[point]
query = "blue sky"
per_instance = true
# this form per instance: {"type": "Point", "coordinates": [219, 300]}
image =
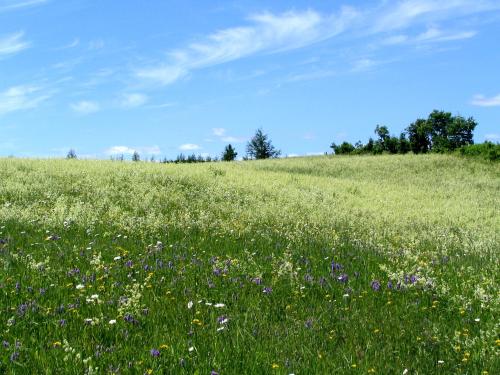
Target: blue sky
{"type": "Point", "coordinates": [164, 77]}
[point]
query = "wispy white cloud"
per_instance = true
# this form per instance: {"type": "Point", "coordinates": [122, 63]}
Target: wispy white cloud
{"type": "Point", "coordinates": [133, 100]}
{"type": "Point", "coordinates": [406, 13]}
{"type": "Point", "coordinates": [12, 43]}
{"type": "Point", "coordinates": [74, 43]}
{"type": "Point", "coordinates": [8, 5]}
{"type": "Point", "coordinates": [437, 35]}
{"type": "Point", "coordinates": [85, 107]}
{"type": "Point", "coordinates": [118, 150]}
{"type": "Point", "coordinates": [21, 98]}
{"type": "Point", "coordinates": [231, 139]}
{"type": "Point", "coordinates": [266, 33]}
{"type": "Point", "coordinates": [219, 132]}
{"type": "Point", "coordinates": [189, 147]}
{"type": "Point", "coordinates": [312, 75]}
{"type": "Point", "coordinates": [482, 101]}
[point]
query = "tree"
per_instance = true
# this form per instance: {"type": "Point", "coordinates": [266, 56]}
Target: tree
{"type": "Point", "coordinates": [404, 144]}
{"type": "Point", "coordinates": [420, 135]}
{"type": "Point", "coordinates": [229, 153]}
{"type": "Point", "coordinates": [136, 156]}
{"type": "Point", "coordinates": [71, 154]}
{"type": "Point", "coordinates": [344, 149]}
{"type": "Point", "coordinates": [260, 147]}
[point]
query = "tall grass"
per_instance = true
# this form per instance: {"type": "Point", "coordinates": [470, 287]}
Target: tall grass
{"type": "Point", "coordinates": [308, 265]}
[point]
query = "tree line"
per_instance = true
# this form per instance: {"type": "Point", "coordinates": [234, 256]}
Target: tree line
{"type": "Point", "coordinates": [439, 132]}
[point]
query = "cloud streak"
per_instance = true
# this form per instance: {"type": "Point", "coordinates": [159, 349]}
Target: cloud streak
{"type": "Point", "coordinates": [133, 100]}
{"type": "Point", "coordinates": [189, 147]}
{"type": "Point", "coordinates": [85, 107]}
{"type": "Point", "coordinates": [266, 33]}
{"type": "Point", "coordinates": [482, 101]}
{"type": "Point", "coordinates": [19, 98]}
{"type": "Point", "coordinates": [12, 43]}
{"type": "Point", "coordinates": [10, 5]}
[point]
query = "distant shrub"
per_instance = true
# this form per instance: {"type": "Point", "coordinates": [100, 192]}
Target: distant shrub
{"type": "Point", "coordinates": [486, 150]}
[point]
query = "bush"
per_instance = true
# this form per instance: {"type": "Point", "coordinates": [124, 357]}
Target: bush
{"type": "Point", "coordinates": [486, 150]}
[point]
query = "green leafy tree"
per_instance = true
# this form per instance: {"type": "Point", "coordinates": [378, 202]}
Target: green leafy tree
{"type": "Point", "coordinates": [343, 149]}
{"type": "Point", "coordinates": [229, 153]}
{"type": "Point", "coordinates": [71, 154]}
{"type": "Point", "coordinates": [420, 135]}
{"type": "Point", "coordinates": [404, 144]}
{"type": "Point", "coordinates": [260, 147]}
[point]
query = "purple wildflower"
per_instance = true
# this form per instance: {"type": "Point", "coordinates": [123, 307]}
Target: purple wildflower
{"type": "Point", "coordinates": [413, 279]}
{"type": "Point", "coordinates": [14, 356]}
{"type": "Point", "coordinates": [322, 281]}
{"type": "Point", "coordinates": [217, 271]}
{"type": "Point", "coordinates": [154, 353]}
{"type": "Point", "coordinates": [308, 278]}
{"type": "Point", "coordinates": [62, 322]}
{"type": "Point", "coordinates": [257, 280]}
{"type": "Point", "coordinates": [376, 285]}
{"type": "Point", "coordinates": [5, 344]}
{"type": "Point", "coordinates": [267, 290]}
{"type": "Point", "coordinates": [389, 285]}
{"type": "Point", "coordinates": [335, 266]}
{"type": "Point", "coordinates": [128, 264]}
{"type": "Point", "coordinates": [213, 372]}
{"type": "Point", "coordinates": [343, 278]}
{"type": "Point", "coordinates": [308, 323]}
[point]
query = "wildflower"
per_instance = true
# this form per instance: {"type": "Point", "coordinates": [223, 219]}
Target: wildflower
{"type": "Point", "coordinates": [267, 290]}
{"type": "Point", "coordinates": [257, 280]}
{"type": "Point", "coordinates": [376, 285]}
{"type": "Point", "coordinates": [275, 366]}
{"type": "Point", "coordinates": [343, 278]}
{"type": "Point", "coordinates": [222, 319]}
{"type": "Point", "coordinates": [112, 321]}
{"type": "Point", "coordinates": [117, 258]}
{"type": "Point", "coordinates": [56, 344]}
{"type": "Point", "coordinates": [335, 266]}
{"type": "Point", "coordinates": [5, 344]}
{"type": "Point", "coordinates": [440, 362]}
{"type": "Point", "coordinates": [219, 305]}
{"type": "Point", "coordinates": [405, 371]}
{"type": "Point", "coordinates": [163, 346]}
{"type": "Point", "coordinates": [213, 372]}
{"type": "Point", "coordinates": [191, 349]}
{"type": "Point", "coordinates": [477, 320]}
{"type": "Point", "coordinates": [62, 322]}
{"type": "Point", "coordinates": [154, 353]}
{"type": "Point", "coordinates": [14, 356]}
{"type": "Point", "coordinates": [190, 304]}
{"type": "Point", "coordinates": [80, 286]}
{"type": "Point", "coordinates": [308, 323]}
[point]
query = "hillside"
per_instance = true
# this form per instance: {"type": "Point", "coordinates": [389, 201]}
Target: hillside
{"type": "Point", "coordinates": [319, 265]}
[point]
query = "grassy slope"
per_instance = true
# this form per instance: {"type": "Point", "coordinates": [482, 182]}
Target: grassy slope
{"type": "Point", "coordinates": [383, 218]}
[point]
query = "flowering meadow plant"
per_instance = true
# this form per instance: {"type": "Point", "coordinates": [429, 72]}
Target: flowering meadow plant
{"type": "Point", "coordinates": [371, 264]}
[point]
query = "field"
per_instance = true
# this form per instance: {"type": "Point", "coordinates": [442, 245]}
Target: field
{"type": "Point", "coordinates": [334, 265]}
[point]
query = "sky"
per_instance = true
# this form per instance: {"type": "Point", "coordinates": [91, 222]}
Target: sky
{"type": "Point", "coordinates": [163, 77]}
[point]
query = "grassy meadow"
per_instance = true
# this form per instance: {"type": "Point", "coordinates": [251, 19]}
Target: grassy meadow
{"type": "Point", "coordinates": [333, 265]}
